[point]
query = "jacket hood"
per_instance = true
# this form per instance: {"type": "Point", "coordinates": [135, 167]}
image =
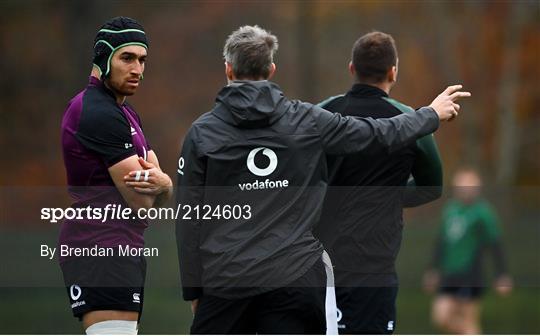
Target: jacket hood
{"type": "Point", "coordinates": [250, 104]}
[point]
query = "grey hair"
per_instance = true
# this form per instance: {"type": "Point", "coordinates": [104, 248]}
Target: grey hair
{"type": "Point", "coordinates": [250, 50]}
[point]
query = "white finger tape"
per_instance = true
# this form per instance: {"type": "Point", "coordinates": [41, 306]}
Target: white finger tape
{"type": "Point", "coordinates": [138, 175]}
{"type": "Point", "coordinates": [146, 173]}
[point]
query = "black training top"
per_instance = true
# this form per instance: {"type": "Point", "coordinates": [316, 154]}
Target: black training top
{"type": "Point", "coordinates": [361, 224]}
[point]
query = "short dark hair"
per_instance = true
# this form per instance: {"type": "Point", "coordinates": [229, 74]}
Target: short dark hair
{"type": "Point", "coordinates": [250, 50]}
{"type": "Point", "coordinates": [373, 55]}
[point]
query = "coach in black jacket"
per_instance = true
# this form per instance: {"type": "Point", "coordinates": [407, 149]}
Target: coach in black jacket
{"type": "Point", "coordinates": [260, 270]}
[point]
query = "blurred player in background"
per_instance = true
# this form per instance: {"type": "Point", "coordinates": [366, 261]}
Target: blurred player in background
{"type": "Point", "coordinates": [361, 225]}
{"type": "Point", "coordinates": [109, 161]}
{"type": "Point", "coordinates": [469, 228]}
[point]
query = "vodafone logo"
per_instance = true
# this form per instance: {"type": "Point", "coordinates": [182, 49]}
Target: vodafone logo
{"type": "Point", "coordinates": [270, 154]}
{"type": "Point", "coordinates": [181, 164]}
{"type": "Point", "coordinates": [75, 292]}
{"type": "Point", "coordinates": [262, 171]}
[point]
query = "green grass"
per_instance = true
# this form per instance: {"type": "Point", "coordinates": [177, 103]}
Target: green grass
{"type": "Point", "coordinates": [45, 310]}
{"type": "Point", "coordinates": [515, 314]}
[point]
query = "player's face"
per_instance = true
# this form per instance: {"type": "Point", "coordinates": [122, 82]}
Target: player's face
{"type": "Point", "coordinates": [127, 67]}
{"type": "Point", "coordinates": [467, 186]}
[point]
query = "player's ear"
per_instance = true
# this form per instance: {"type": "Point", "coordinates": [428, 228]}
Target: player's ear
{"type": "Point", "coordinates": [392, 74]}
{"type": "Point", "coordinates": [229, 71]}
{"type": "Point", "coordinates": [351, 68]}
{"type": "Point", "coordinates": [272, 70]}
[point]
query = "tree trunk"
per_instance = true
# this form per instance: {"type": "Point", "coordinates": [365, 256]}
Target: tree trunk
{"type": "Point", "coordinates": [508, 150]}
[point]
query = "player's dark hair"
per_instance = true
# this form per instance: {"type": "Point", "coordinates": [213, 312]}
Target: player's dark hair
{"type": "Point", "coordinates": [373, 55]}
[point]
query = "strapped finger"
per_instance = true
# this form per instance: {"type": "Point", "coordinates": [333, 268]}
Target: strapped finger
{"type": "Point", "coordinates": [146, 174]}
{"type": "Point", "coordinates": [137, 175]}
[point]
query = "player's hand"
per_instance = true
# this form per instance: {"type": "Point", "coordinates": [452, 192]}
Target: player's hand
{"type": "Point", "coordinates": [504, 285]}
{"type": "Point", "coordinates": [445, 104]}
{"type": "Point", "coordinates": [431, 281]}
{"type": "Point", "coordinates": [194, 305]}
{"type": "Point", "coordinates": [151, 180]}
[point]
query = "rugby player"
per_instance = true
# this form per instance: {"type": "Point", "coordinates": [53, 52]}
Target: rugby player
{"type": "Point", "coordinates": [108, 160]}
{"type": "Point", "coordinates": [361, 224]}
{"type": "Point", "coordinates": [265, 272]}
{"type": "Point", "coordinates": [469, 228]}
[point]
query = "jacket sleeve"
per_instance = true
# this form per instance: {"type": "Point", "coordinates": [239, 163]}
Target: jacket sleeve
{"type": "Point", "coordinates": [191, 174]}
{"type": "Point", "coordinates": [347, 135]}
{"type": "Point", "coordinates": [427, 173]}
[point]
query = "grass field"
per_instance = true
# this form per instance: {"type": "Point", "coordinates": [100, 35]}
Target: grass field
{"type": "Point", "coordinates": [45, 310]}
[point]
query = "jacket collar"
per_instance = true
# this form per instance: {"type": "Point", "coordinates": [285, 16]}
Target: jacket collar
{"type": "Point", "coordinates": [366, 90]}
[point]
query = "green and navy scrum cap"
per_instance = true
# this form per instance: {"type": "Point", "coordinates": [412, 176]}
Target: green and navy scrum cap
{"type": "Point", "coordinates": [116, 33]}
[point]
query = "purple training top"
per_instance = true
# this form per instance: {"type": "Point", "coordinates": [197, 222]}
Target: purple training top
{"type": "Point", "coordinates": [96, 134]}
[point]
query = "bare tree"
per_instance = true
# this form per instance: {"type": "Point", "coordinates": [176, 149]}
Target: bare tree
{"type": "Point", "coordinates": [450, 71]}
{"type": "Point", "coordinates": [509, 137]}
{"type": "Point", "coordinates": [307, 50]}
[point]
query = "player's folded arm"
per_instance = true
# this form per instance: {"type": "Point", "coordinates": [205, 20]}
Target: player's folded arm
{"type": "Point", "coordinates": [108, 134]}
{"type": "Point", "coordinates": [163, 197]}
{"type": "Point", "coordinates": [134, 199]}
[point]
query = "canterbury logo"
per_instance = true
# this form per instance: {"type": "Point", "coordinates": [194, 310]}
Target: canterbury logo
{"type": "Point", "coordinates": [136, 298]}
{"type": "Point", "coordinates": [270, 154]}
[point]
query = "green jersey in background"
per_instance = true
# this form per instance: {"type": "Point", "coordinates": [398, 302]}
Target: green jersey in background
{"type": "Point", "coordinates": [467, 231]}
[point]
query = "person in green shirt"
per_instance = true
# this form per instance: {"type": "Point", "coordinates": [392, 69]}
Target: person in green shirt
{"type": "Point", "coordinates": [469, 228]}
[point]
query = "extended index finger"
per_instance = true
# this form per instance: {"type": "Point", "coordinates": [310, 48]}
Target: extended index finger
{"type": "Point", "coordinates": [453, 88]}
